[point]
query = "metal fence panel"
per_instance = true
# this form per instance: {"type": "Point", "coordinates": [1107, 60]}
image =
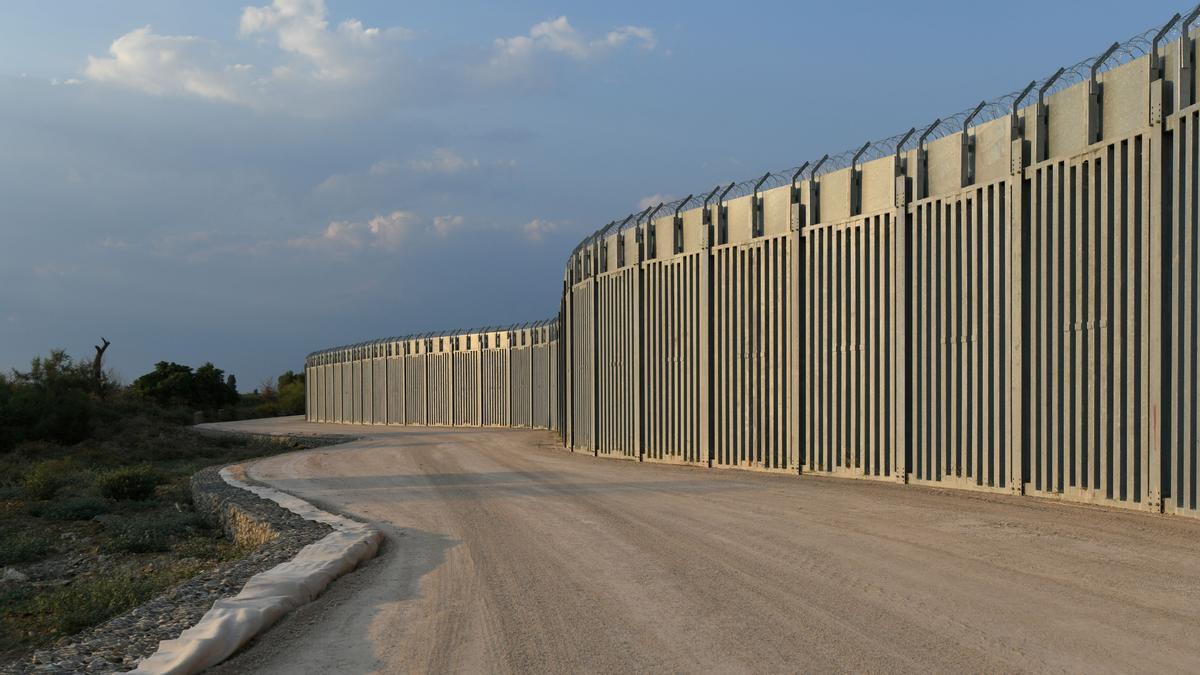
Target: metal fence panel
{"type": "Point", "coordinates": [440, 385]}
{"type": "Point", "coordinates": [414, 393]}
{"type": "Point", "coordinates": [615, 362]}
{"type": "Point", "coordinates": [850, 359]}
{"type": "Point", "coordinates": [378, 403]}
{"type": "Point", "coordinates": [583, 383]}
{"type": "Point", "coordinates": [466, 396]}
{"type": "Point", "coordinates": [751, 341]}
{"type": "Point", "coordinates": [1085, 260]}
{"type": "Point", "coordinates": [959, 371]}
{"type": "Point", "coordinates": [541, 395]}
{"type": "Point", "coordinates": [1181, 269]}
{"type": "Point", "coordinates": [331, 396]}
{"type": "Point", "coordinates": [520, 397]}
{"type": "Point", "coordinates": [672, 359]}
{"type": "Point", "coordinates": [395, 390]}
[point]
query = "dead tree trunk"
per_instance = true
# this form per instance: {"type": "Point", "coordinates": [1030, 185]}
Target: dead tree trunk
{"type": "Point", "coordinates": [98, 365]}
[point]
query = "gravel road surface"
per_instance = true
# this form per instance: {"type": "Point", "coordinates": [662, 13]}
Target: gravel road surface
{"type": "Point", "coordinates": [506, 553]}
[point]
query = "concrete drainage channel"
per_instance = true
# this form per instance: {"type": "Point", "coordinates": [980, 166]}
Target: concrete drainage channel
{"type": "Point", "coordinates": [299, 551]}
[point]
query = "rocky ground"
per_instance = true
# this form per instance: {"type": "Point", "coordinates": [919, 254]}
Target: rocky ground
{"type": "Point", "coordinates": [119, 643]}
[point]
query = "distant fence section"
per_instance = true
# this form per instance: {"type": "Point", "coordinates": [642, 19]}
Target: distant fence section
{"type": "Point", "coordinates": [1004, 300]}
{"type": "Point", "coordinates": [498, 377]}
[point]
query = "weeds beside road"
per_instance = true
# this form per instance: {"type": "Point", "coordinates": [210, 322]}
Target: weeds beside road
{"type": "Point", "coordinates": [91, 530]}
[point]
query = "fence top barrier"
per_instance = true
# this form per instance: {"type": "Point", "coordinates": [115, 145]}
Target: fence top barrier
{"type": "Point", "coordinates": [977, 114]}
{"type": "Point", "coordinates": [435, 335]}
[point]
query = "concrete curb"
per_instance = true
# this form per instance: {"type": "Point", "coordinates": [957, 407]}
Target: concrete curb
{"type": "Point", "coordinates": [267, 596]}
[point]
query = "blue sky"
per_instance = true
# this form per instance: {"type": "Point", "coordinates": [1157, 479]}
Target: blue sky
{"type": "Point", "coordinates": [245, 182]}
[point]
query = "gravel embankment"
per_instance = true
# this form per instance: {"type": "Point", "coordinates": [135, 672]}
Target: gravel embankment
{"type": "Point", "coordinates": [119, 643]}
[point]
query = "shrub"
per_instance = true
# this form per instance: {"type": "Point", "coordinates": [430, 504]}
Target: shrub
{"type": "Point", "coordinates": [150, 532]}
{"type": "Point", "coordinates": [44, 479]}
{"type": "Point", "coordinates": [22, 547]}
{"type": "Point", "coordinates": [129, 483]}
{"type": "Point", "coordinates": [207, 547]}
{"type": "Point", "coordinates": [78, 508]}
{"type": "Point", "coordinates": [89, 600]}
{"type": "Point", "coordinates": [291, 393]}
{"type": "Point", "coordinates": [50, 402]}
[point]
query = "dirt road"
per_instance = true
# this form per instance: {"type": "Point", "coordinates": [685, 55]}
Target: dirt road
{"type": "Point", "coordinates": [507, 554]}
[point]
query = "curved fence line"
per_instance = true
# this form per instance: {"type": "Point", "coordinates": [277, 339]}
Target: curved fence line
{"type": "Point", "coordinates": [499, 376]}
{"type": "Point", "coordinates": [1007, 301]}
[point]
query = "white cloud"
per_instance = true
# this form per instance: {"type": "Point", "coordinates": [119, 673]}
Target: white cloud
{"type": "Point", "coordinates": [559, 36]}
{"type": "Point", "coordinates": [625, 34]}
{"type": "Point", "coordinates": [386, 232]}
{"type": "Point", "coordinates": [162, 64]}
{"type": "Point", "coordinates": [653, 200]}
{"type": "Point", "coordinates": [537, 228]}
{"type": "Point", "coordinates": [390, 230]}
{"type": "Point", "coordinates": [443, 160]}
{"type": "Point", "coordinates": [514, 57]}
{"type": "Point", "coordinates": [444, 226]}
{"type": "Point", "coordinates": [306, 56]}
{"type": "Point", "coordinates": [303, 63]}
{"type": "Point", "coordinates": [301, 28]}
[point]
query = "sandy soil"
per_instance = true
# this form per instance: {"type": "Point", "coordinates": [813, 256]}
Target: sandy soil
{"type": "Point", "coordinates": [507, 554]}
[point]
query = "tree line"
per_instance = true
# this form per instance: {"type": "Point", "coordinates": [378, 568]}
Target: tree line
{"type": "Point", "coordinates": [63, 400]}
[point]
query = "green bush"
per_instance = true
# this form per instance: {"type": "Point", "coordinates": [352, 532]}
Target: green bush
{"type": "Point", "coordinates": [150, 532]}
{"type": "Point", "coordinates": [291, 393]}
{"type": "Point", "coordinates": [22, 547]}
{"type": "Point", "coordinates": [53, 401]}
{"type": "Point", "coordinates": [44, 479]}
{"type": "Point", "coordinates": [89, 600]}
{"type": "Point", "coordinates": [171, 383]}
{"type": "Point", "coordinates": [129, 483]}
{"type": "Point", "coordinates": [78, 508]}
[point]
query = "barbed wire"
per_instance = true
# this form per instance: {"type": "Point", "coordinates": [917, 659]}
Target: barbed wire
{"type": "Point", "coordinates": [541, 323]}
{"type": "Point", "coordinates": [1118, 53]}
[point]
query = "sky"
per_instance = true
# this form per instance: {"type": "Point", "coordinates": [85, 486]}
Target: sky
{"type": "Point", "coordinates": [247, 182]}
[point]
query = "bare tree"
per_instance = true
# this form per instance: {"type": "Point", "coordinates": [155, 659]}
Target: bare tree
{"type": "Point", "coordinates": [98, 364]}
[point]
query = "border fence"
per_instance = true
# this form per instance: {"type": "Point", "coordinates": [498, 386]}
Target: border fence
{"type": "Point", "coordinates": [1004, 300]}
{"type": "Point", "coordinates": [497, 377]}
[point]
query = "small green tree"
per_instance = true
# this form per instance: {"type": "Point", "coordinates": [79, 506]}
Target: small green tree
{"type": "Point", "coordinates": [51, 401]}
{"type": "Point", "coordinates": [291, 393]}
{"type": "Point", "coordinates": [172, 383]}
{"type": "Point", "coordinates": [169, 382]}
{"type": "Point", "coordinates": [212, 391]}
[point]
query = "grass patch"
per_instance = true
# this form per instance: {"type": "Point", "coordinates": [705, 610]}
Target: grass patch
{"type": "Point", "coordinates": [75, 508]}
{"type": "Point", "coordinates": [86, 602]}
{"type": "Point", "coordinates": [151, 532]}
{"type": "Point", "coordinates": [44, 479]}
{"type": "Point", "coordinates": [19, 547]}
{"type": "Point", "coordinates": [133, 477]}
{"type": "Point", "coordinates": [83, 603]}
{"type": "Point", "coordinates": [128, 483]}
{"type": "Point", "coordinates": [201, 547]}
